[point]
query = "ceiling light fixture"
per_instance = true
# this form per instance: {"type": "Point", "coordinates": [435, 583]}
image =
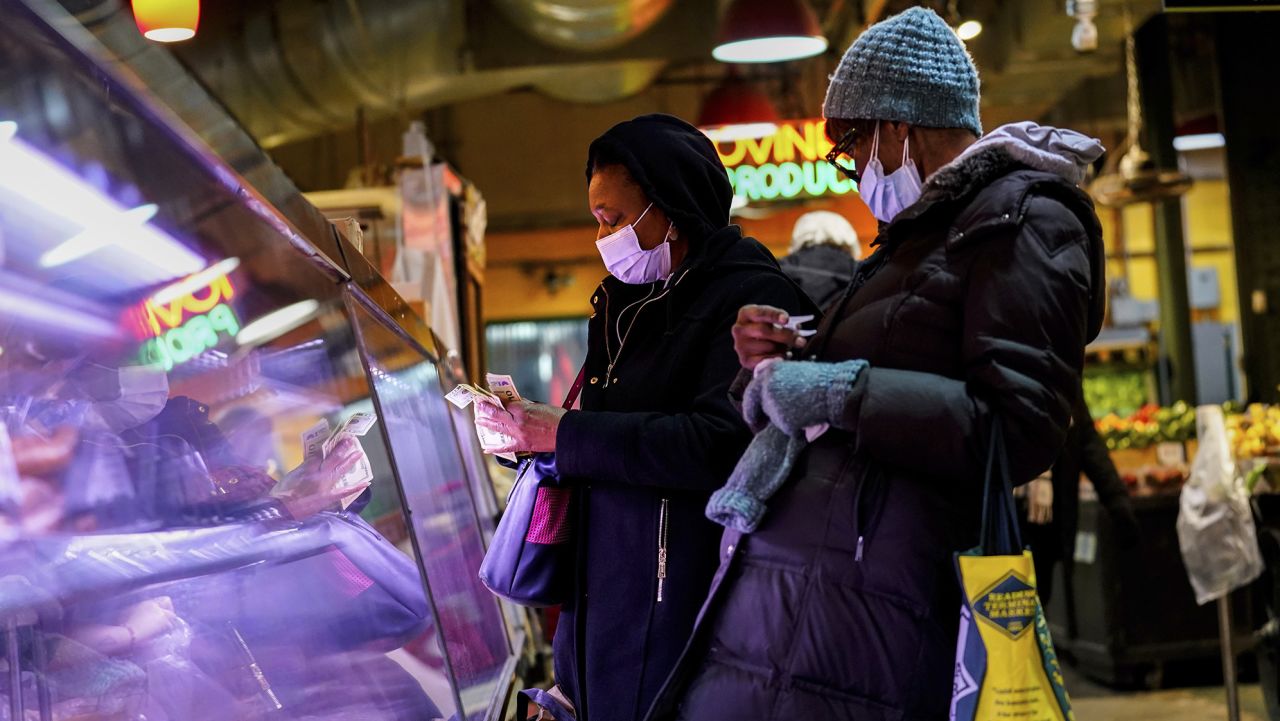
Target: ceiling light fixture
{"type": "Point", "coordinates": [1199, 141]}
{"type": "Point", "coordinates": [277, 323]}
{"type": "Point", "coordinates": [737, 110]}
{"type": "Point", "coordinates": [969, 29]}
{"type": "Point", "coordinates": [167, 21]}
{"type": "Point", "coordinates": [768, 31]}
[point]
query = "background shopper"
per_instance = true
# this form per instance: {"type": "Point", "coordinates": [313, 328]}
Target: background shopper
{"type": "Point", "coordinates": [1051, 533]}
{"type": "Point", "coordinates": [824, 253]}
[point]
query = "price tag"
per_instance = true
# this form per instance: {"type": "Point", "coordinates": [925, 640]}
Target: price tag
{"type": "Point", "coordinates": [1086, 547]}
{"type": "Point", "coordinates": [1171, 454]}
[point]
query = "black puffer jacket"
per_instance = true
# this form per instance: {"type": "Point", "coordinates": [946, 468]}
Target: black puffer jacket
{"type": "Point", "coordinates": [844, 604]}
{"type": "Point", "coordinates": [657, 433]}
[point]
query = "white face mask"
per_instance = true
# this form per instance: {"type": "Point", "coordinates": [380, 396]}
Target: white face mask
{"type": "Point", "coordinates": [630, 263]}
{"type": "Point", "coordinates": [127, 397]}
{"type": "Point", "coordinates": [889, 195]}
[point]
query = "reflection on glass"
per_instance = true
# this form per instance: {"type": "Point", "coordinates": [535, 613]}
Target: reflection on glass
{"type": "Point", "coordinates": [428, 462]}
{"type": "Point", "coordinates": [183, 537]}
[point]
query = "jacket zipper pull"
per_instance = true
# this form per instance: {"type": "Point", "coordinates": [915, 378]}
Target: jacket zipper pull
{"type": "Point", "coordinates": [857, 556]}
{"type": "Point", "coordinates": [662, 549]}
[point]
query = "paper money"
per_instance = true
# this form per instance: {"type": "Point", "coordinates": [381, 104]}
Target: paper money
{"type": "Point", "coordinates": [794, 323]}
{"type": "Point", "coordinates": [357, 424]}
{"type": "Point", "coordinates": [460, 396]}
{"type": "Point", "coordinates": [360, 473]}
{"type": "Point", "coordinates": [313, 440]}
{"type": "Point", "coordinates": [465, 395]}
{"type": "Point", "coordinates": [503, 387]}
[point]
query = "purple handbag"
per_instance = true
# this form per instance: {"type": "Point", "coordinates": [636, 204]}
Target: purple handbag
{"type": "Point", "coordinates": [530, 559]}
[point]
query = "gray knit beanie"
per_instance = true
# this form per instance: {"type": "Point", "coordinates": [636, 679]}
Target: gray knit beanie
{"type": "Point", "coordinates": [909, 68]}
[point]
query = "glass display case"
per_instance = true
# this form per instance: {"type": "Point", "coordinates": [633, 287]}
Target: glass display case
{"type": "Point", "coordinates": [230, 487]}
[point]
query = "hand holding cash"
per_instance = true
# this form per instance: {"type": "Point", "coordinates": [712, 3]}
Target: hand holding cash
{"type": "Point", "coordinates": [506, 423]}
{"type": "Point", "coordinates": [335, 468]}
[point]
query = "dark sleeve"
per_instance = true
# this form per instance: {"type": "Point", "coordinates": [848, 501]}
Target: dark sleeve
{"type": "Point", "coordinates": [1095, 460]}
{"type": "Point", "coordinates": [1024, 326]}
{"type": "Point", "coordinates": [695, 449]}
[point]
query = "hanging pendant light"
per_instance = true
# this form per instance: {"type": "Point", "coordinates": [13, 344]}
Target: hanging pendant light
{"type": "Point", "coordinates": [768, 31]}
{"type": "Point", "coordinates": [1136, 178]}
{"type": "Point", "coordinates": [737, 110]}
{"type": "Point", "coordinates": [167, 21]}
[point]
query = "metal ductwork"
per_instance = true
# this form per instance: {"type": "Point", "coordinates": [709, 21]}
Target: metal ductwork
{"type": "Point", "coordinates": [585, 25]}
{"type": "Point", "coordinates": [294, 69]}
{"type": "Point", "coordinates": [299, 68]}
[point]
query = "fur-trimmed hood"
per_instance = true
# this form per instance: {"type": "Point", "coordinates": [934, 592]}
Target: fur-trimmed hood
{"type": "Point", "coordinates": [998, 182]}
{"type": "Point", "coordinates": [1062, 152]}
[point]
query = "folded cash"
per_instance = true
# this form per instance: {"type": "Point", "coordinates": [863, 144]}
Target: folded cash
{"type": "Point", "coordinates": [503, 387]}
{"type": "Point", "coordinates": [358, 424]}
{"type": "Point", "coordinates": [794, 322]}
{"type": "Point", "coordinates": [465, 395]}
{"type": "Point", "coordinates": [314, 440]}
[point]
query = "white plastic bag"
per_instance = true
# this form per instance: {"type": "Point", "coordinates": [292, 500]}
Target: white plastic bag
{"type": "Point", "coordinates": [1215, 523]}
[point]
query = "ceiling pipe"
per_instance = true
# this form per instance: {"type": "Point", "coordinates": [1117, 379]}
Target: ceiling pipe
{"type": "Point", "coordinates": [584, 25]}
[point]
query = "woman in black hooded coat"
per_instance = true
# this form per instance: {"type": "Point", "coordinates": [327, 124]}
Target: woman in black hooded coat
{"type": "Point", "coordinates": [657, 433]}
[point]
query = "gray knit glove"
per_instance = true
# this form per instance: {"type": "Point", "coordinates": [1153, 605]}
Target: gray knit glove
{"type": "Point", "coordinates": [794, 395]}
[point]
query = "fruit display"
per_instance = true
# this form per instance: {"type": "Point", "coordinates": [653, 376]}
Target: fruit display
{"type": "Point", "coordinates": [1118, 391]}
{"type": "Point", "coordinates": [1255, 432]}
{"type": "Point", "coordinates": [1147, 426]}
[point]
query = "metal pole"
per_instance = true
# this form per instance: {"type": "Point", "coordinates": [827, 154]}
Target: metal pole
{"type": "Point", "coordinates": [1228, 658]}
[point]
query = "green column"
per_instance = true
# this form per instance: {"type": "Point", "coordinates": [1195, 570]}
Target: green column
{"type": "Point", "coordinates": [1156, 84]}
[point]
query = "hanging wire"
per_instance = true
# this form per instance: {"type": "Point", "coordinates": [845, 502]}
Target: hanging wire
{"type": "Point", "coordinates": [1134, 99]}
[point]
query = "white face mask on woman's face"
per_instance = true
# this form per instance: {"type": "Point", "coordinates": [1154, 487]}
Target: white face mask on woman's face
{"type": "Point", "coordinates": [630, 263]}
{"type": "Point", "coordinates": [889, 195]}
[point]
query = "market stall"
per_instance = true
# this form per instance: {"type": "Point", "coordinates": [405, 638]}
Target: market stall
{"type": "Point", "coordinates": [1127, 613]}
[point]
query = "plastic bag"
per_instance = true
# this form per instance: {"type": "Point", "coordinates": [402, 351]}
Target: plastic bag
{"type": "Point", "coordinates": [1215, 522]}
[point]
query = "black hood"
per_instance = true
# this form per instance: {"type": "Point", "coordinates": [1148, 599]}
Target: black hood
{"type": "Point", "coordinates": [676, 166]}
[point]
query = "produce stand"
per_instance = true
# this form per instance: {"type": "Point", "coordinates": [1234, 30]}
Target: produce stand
{"type": "Point", "coordinates": [1127, 613]}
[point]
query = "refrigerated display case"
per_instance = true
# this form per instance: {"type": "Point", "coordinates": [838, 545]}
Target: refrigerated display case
{"type": "Point", "coordinates": [181, 535]}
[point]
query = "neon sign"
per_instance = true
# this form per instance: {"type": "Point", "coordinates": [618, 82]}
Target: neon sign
{"type": "Point", "coordinates": [787, 165]}
{"type": "Point", "coordinates": [177, 327]}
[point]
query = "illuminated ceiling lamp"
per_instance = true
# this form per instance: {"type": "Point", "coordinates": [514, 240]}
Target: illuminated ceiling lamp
{"type": "Point", "coordinates": [737, 110]}
{"type": "Point", "coordinates": [768, 31]}
{"type": "Point", "coordinates": [167, 21]}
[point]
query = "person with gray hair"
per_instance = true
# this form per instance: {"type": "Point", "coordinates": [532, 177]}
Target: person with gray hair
{"type": "Point", "coordinates": [824, 253]}
{"type": "Point", "coordinates": [836, 596]}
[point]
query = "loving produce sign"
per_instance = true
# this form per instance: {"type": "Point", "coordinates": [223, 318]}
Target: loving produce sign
{"type": "Point", "coordinates": [788, 165]}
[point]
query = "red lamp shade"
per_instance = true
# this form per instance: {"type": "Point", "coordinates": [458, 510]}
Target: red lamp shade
{"type": "Point", "coordinates": [768, 31]}
{"type": "Point", "coordinates": [737, 110]}
{"type": "Point", "coordinates": [167, 21]}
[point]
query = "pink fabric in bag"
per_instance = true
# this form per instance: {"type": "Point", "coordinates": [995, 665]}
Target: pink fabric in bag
{"type": "Point", "coordinates": [550, 522]}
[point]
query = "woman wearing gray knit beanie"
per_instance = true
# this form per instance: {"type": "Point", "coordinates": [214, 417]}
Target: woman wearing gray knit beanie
{"type": "Point", "coordinates": [836, 597]}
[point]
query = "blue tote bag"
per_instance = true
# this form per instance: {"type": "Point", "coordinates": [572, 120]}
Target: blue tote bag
{"type": "Point", "coordinates": [530, 560]}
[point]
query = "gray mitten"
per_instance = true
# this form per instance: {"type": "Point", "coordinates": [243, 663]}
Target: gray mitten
{"type": "Point", "coordinates": [795, 395]}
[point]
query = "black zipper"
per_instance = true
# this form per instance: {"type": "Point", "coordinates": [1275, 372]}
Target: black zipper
{"type": "Point", "coordinates": [868, 505]}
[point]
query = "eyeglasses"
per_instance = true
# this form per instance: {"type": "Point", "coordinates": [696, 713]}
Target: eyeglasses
{"type": "Point", "coordinates": [844, 148]}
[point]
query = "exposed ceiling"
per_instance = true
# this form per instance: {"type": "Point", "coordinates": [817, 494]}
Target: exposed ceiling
{"type": "Point", "coordinates": [297, 73]}
{"type": "Point", "coordinates": [293, 69]}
